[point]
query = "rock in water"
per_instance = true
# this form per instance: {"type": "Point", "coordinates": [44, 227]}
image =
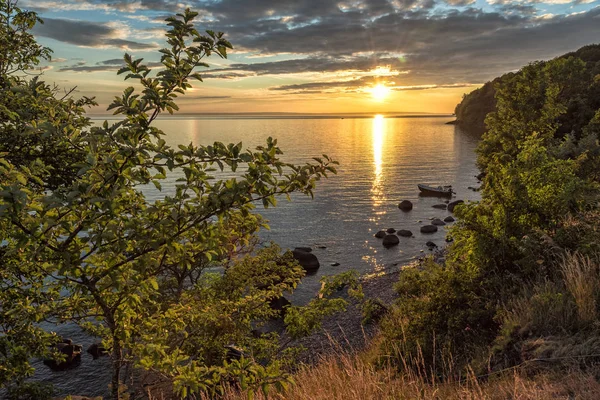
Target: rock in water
{"type": "Point", "coordinates": [404, 233]}
{"type": "Point", "coordinates": [454, 204]}
{"type": "Point", "coordinates": [390, 240]}
{"type": "Point", "coordinates": [305, 249]}
{"type": "Point", "coordinates": [308, 261]}
{"type": "Point", "coordinates": [280, 304]}
{"type": "Point", "coordinates": [438, 222]}
{"type": "Point", "coordinates": [449, 219]}
{"type": "Point", "coordinates": [430, 244]}
{"type": "Point", "coordinates": [97, 350]}
{"type": "Point", "coordinates": [72, 354]}
{"type": "Point", "coordinates": [429, 229]}
{"type": "Point", "coordinates": [440, 206]}
{"type": "Point", "coordinates": [405, 205]}
{"type": "Point", "coordinates": [391, 230]}
{"type": "Point", "coordinates": [380, 234]}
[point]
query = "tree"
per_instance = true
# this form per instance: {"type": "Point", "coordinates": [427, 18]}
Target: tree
{"type": "Point", "coordinates": [96, 252]}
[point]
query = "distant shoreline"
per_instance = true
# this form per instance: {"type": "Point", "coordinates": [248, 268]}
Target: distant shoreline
{"type": "Point", "coordinates": [286, 116]}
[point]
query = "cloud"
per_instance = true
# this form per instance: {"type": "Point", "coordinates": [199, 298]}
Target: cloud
{"type": "Point", "coordinates": [421, 42]}
{"type": "Point", "coordinates": [112, 65]}
{"type": "Point", "coordinates": [88, 34]}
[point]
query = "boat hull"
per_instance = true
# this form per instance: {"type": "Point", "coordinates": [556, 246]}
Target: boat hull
{"type": "Point", "coordinates": [432, 191]}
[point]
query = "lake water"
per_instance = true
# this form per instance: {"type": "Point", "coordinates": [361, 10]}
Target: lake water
{"type": "Point", "coordinates": [381, 162]}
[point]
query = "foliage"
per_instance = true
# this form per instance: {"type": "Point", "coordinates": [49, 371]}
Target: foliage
{"type": "Point", "coordinates": [581, 99]}
{"type": "Point", "coordinates": [501, 283]}
{"type": "Point", "coordinates": [140, 274]}
{"type": "Point", "coordinates": [36, 122]}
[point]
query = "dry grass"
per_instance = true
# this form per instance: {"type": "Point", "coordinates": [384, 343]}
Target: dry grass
{"type": "Point", "coordinates": [348, 378]}
{"type": "Point", "coordinates": [582, 279]}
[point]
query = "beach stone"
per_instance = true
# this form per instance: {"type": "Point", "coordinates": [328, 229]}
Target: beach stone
{"type": "Point", "coordinates": [305, 249]}
{"type": "Point", "coordinates": [453, 204]}
{"type": "Point", "coordinates": [449, 219]}
{"type": "Point", "coordinates": [390, 240]}
{"type": "Point", "coordinates": [438, 222]}
{"type": "Point", "coordinates": [307, 260]}
{"type": "Point", "coordinates": [380, 234]}
{"type": "Point", "coordinates": [405, 205]}
{"type": "Point", "coordinates": [429, 229]}
{"type": "Point", "coordinates": [440, 206]}
{"type": "Point", "coordinates": [404, 233]}
{"type": "Point", "coordinates": [391, 230]}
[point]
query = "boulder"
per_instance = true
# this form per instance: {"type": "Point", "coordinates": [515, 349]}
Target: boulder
{"type": "Point", "coordinates": [405, 205]}
{"type": "Point", "coordinates": [438, 222]}
{"type": "Point", "coordinates": [305, 249]}
{"type": "Point", "coordinates": [72, 354]}
{"type": "Point", "coordinates": [404, 233]}
{"type": "Point", "coordinates": [97, 350]}
{"type": "Point", "coordinates": [391, 230]}
{"type": "Point", "coordinates": [307, 260]}
{"type": "Point", "coordinates": [449, 219]}
{"type": "Point", "coordinates": [380, 234]}
{"type": "Point", "coordinates": [279, 304]}
{"type": "Point", "coordinates": [453, 204]}
{"type": "Point", "coordinates": [440, 206]}
{"type": "Point", "coordinates": [429, 229]}
{"type": "Point", "coordinates": [390, 240]}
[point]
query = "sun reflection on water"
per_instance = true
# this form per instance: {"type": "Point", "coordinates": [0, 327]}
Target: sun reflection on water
{"type": "Point", "coordinates": [378, 132]}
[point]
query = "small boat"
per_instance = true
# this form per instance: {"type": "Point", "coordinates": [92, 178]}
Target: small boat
{"type": "Point", "coordinates": [436, 190]}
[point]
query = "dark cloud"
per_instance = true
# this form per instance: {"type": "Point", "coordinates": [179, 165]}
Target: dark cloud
{"type": "Point", "coordinates": [85, 33]}
{"type": "Point", "coordinates": [443, 42]}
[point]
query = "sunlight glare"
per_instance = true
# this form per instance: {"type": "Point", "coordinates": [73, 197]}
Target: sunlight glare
{"type": "Point", "coordinates": [380, 92]}
{"type": "Point", "coordinates": [378, 132]}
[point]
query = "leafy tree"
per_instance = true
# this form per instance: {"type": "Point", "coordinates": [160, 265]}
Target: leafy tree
{"type": "Point", "coordinates": [96, 252]}
{"type": "Point", "coordinates": [36, 121]}
{"type": "Point", "coordinates": [535, 177]}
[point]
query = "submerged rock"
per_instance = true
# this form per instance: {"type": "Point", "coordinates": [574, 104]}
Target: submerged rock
{"type": "Point", "coordinates": [404, 233]}
{"type": "Point", "coordinates": [440, 206]}
{"type": "Point", "coordinates": [453, 204]}
{"type": "Point", "coordinates": [405, 205]}
{"type": "Point", "coordinates": [390, 240]}
{"type": "Point", "coordinates": [430, 244]}
{"type": "Point", "coordinates": [305, 249]}
{"type": "Point", "coordinates": [308, 261]}
{"type": "Point", "coordinates": [429, 229]}
{"type": "Point", "coordinates": [97, 350]}
{"type": "Point", "coordinates": [279, 304]}
{"type": "Point", "coordinates": [72, 354]}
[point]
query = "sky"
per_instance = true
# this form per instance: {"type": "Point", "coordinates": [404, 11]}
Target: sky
{"type": "Point", "coordinates": [316, 56]}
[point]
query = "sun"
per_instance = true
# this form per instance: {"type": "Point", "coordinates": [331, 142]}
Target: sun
{"type": "Point", "coordinates": [380, 92]}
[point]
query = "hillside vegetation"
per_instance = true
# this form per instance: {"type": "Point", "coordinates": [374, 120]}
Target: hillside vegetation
{"type": "Point", "coordinates": [475, 106]}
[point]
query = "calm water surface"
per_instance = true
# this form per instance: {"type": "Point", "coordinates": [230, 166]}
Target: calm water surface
{"type": "Point", "coordinates": [381, 162]}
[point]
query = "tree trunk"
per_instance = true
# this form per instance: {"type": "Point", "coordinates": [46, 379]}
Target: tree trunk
{"type": "Point", "coordinates": [117, 354]}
